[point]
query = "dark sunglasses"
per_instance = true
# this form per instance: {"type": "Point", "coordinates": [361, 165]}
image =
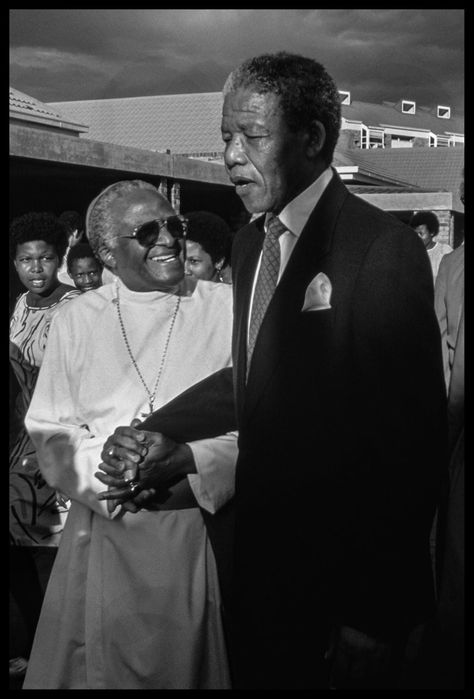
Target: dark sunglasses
{"type": "Point", "coordinates": [147, 233]}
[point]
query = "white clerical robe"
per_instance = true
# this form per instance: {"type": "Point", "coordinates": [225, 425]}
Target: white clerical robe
{"type": "Point", "coordinates": [133, 600]}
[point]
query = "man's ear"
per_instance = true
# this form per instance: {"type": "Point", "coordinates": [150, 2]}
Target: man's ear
{"type": "Point", "coordinates": [316, 138]}
{"type": "Point", "coordinates": [108, 258]}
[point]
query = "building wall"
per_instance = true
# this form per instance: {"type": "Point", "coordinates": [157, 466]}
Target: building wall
{"type": "Point", "coordinates": [446, 227]}
{"type": "Point", "coordinates": [421, 143]}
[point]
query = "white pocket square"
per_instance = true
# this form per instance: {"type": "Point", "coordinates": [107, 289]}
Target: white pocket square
{"type": "Point", "coordinates": [318, 294]}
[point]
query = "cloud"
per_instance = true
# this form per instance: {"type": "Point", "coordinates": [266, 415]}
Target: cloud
{"type": "Point", "coordinates": [54, 60]}
{"type": "Point", "coordinates": [80, 75]}
{"type": "Point", "coordinates": [377, 54]}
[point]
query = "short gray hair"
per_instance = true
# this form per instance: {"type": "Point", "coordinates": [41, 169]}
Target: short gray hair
{"type": "Point", "coordinates": [100, 222]}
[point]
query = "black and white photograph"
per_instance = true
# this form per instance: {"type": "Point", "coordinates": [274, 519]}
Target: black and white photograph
{"type": "Point", "coordinates": [236, 377]}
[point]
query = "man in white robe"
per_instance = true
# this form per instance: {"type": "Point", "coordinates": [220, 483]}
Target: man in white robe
{"type": "Point", "coordinates": [134, 600]}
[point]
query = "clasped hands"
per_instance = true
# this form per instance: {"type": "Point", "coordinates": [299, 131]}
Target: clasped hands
{"type": "Point", "coordinates": [137, 464]}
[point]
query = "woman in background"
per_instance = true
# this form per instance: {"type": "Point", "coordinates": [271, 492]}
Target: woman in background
{"type": "Point", "coordinates": [38, 244]}
{"type": "Point", "coordinates": [208, 247]}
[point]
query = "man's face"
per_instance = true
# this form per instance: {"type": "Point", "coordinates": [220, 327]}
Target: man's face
{"type": "Point", "coordinates": [86, 273]}
{"type": "Point", "coordinates": [424, 234]}
{"type": "Point", "coordinates": [266, 162]}
{"type": "Point", "coordinates": [158, 268]}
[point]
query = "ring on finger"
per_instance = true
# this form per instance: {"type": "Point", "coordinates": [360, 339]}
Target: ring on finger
{"type": "Point", "coordinates": [133, 486]}
{"type": "Point", "coordinates": [111, 451]}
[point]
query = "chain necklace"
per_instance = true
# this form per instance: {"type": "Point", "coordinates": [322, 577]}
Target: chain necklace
{"type": "Point", "coordinates": [151, 395]}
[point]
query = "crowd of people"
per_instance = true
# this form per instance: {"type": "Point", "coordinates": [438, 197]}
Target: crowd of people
{"type": "Point", "coordinates": [231, 451]}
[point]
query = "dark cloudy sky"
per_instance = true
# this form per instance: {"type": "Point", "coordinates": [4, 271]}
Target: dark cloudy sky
{"type": "Point", "coordinates": [58, 55]}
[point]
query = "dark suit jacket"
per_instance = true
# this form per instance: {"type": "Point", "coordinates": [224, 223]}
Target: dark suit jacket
{"type": "Point", "coordinates": [342, 436]}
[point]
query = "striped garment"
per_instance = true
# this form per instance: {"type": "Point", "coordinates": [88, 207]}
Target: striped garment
{"type": "Point", "coordinates": [36, 516]}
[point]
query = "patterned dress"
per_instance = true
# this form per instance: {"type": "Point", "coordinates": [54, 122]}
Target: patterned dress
{"type": "Point", "coordinates": [36, 516]}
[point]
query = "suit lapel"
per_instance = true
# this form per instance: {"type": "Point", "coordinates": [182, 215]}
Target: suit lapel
{"type": "Point", "coordinates": [277, 330]}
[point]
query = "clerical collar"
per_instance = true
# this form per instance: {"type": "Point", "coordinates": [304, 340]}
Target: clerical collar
{"type": "Point", "coordinates": [186, 289]}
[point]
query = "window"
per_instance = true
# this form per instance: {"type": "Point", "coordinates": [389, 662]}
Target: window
{"type": "Point", "coordinates": [345, 97]}
{"type": "Point", "coordinates": [402, 141]}
{"type": "Point", "coordinates": [444, 112]}
{"type": "Point", "coordinates": [376, 138]}
{"type": "Point", "coordinates": [364, 136]}
{"type": "Point", "coordinates": [443, 141]}
{"type": "Point", "coordinates": [408, 107]}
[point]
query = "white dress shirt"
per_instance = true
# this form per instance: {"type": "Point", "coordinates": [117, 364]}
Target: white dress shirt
{"type": "Point", "coordinates": [294, 217]}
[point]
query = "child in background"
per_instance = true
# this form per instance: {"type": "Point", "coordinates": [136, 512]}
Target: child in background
{"type": "Point", "coordinates": [84, 268]}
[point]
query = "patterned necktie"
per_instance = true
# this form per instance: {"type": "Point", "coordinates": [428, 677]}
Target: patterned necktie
{"type": "Point", "coordinates": [266, 281]}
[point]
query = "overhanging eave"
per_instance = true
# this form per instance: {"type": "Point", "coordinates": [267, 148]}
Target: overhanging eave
{"type": "Point", "coordinates": [60, 148]}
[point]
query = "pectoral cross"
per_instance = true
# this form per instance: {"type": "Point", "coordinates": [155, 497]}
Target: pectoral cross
{"type": "Point", "coordinates": [150, 405]}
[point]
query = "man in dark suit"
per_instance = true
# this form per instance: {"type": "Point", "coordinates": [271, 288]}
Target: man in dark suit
{"type": "Point", "coordinates": [340, 399]}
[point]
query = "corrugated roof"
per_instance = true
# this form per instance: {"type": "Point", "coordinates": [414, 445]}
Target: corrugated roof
{"type": "Point", "coordinates": [433, 169]}
{"type": "Point", "coordinates": [183, 124]}
{"type": "Point", "coordinates": [27, 108]}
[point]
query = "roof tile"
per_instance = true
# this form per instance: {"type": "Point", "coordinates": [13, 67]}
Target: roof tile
{"type": "Point", "coordinates": [25, 107]}
{"type": "Point", "coordinates": [20, 102]}
{"type": "Point", "coordinates": [435, 169]}
{"type": "Point", "coordinates": [183, 124]}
